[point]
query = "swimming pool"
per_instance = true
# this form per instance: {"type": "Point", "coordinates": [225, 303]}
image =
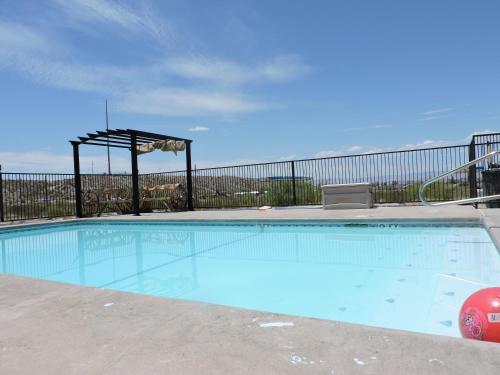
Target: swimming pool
{"type": "Point", "coordinates": [411, 276]}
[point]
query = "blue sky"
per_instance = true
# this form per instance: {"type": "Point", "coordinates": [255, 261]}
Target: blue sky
{"type": "Point", "coordinates": [248, 81]}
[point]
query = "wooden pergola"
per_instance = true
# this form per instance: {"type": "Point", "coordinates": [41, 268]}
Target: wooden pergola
{"type": "Point", "coordinates": [128, 139]}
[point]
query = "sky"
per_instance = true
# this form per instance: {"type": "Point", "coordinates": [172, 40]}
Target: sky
{"type": "Point", "coordinates": [248, 81]}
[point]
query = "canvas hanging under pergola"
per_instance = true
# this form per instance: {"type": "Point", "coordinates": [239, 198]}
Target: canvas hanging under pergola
{"type": "Point", "coordinates": [138, 142]}
{"type": "Point", "coordinates": [166, 146]}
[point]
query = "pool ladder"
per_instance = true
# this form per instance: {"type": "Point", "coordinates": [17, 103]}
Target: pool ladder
{"type": "Point", "coordinates": [460, 201]}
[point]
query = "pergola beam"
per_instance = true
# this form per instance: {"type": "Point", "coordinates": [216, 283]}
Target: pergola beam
{"type": "Point", "coordinates": [105, 145]}
{"type": "Point", "coordinates": [104, 141]}
{"type": "Point", "coordinates": [155, 136]}
{"type": "Point", "coordinates": [135, 175]}
{"type": "Point", "coordinates": [116, 137]}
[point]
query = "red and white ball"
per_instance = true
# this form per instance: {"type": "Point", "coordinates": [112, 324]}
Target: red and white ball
{"type": "Point", "coordinates": [480, 316]}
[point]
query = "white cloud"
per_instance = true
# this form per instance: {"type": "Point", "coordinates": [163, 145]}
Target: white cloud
{"type": "Point", "coordinates": [374, 150]}
{"type": "Point", "coordinates": [16, 39]}
{"type": "Point", "coordinates": [354, 148]}
{"type": "Point", "coordinates": [138, 89]}
{"type": "Point", "coordinates": [207, 69]}
{"type": "Point", "coordinates": [361, 128]}
{"type": "Point", "coordinates": [435, 114]}
{"type": "Point", "coordinates": [436, 111]}
{"type": "Point", "coordinates": [328, 154]}
{"type": "Point", "coordinates": [287, 157]}
{"type": "Point", "coordinates": [479, 132]}
{"type": "Point", "coordinates": [430, 118]}
{"type": "Point", "coordinates": [34, 160]}
{"type": "Point", "coordinates": [186, 102]}
{"type": "Point", "coordinates": [129, 85]}
{"type": "Point", "coordinates": [115, 13]}
{"type": "Point", "coordinates": [357, 149]}
{"type": "Point", "coordinates": [34, 55]}
{"type": "Point", "coordinates": [199, 129]}
{"type": "Point", "coordinates": [280, 69]}
{"type": "Point", "coordinates": [427, 144]}
{"type": "Point", "coordinates": [73, 76]}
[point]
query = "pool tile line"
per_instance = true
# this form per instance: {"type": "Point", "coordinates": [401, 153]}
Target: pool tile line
{"type": "Point", "coordinates": [263, 223]}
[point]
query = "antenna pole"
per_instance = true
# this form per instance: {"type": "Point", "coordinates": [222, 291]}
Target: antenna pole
{"type": "Point", "coordinates": [107, 128]}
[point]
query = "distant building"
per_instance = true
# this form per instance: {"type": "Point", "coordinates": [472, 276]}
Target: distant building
{"type": "Point", "coordinates": [287, 178]}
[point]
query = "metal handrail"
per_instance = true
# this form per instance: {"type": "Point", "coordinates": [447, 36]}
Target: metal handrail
{"type": "Point", "coordinates": [460, 201]}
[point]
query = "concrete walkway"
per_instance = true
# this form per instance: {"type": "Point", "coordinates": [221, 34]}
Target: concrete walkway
{"type": "Point", "coordinates": [317, 213]}
{"type": "Point", "coordinates": [50, 328]}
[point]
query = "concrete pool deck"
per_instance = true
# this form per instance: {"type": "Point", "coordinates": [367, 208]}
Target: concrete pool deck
{"type": "Point", "coordinates": [53, 328]}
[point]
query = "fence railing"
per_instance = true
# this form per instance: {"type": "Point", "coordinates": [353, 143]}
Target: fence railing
{"type": "Point", "coordinates": [36, 195]}
{"type": "Point", "coordinates": [395, 176]}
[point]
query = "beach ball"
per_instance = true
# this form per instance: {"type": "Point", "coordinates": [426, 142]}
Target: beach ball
{"type": "Point", "coordinates": [480, 316]}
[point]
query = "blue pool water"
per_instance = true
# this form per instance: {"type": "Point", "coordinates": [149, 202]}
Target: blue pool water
{"type": "Point", "coordinates": [397, 276]}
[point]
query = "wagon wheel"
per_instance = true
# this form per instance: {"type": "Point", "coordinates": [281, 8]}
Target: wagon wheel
{"type": "Point", "coordinates": [92, 202]}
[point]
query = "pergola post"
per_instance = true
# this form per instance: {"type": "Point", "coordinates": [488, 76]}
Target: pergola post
{"type": "Point", "coordinates": [135, 174]}
{"type": "Point", "coordinates": [78, 180]}
{"type": "Point", "coordinates": [189, 177]}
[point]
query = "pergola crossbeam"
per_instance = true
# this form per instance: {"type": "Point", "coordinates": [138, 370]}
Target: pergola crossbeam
{"type": "Point", "coordinates": [155, 136]}
{"type": "Point", "coordinates": [110, 137]}
{"type": "Point", "coordinates": [105, 145]}
{"type": "Point", "coordinates": [104, 142]}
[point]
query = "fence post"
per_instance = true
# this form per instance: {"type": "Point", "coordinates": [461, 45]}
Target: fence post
{"type": "Point", "coordinates": [189, 178]}
{"type": "Point", "coordinates": [472, 170]}
{"type": "Point", "coordinates": [135, 175]}
{"type": "Point", "coordinates": [78, 180]}
{"type": "Point", "coordinates": [293, 184]}
{"type": "Point", "coordinates": [2, 217]}
{"type": "Point", "coordinates": [46, 191]}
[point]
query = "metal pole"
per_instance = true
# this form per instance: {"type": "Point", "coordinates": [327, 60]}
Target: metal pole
{"type": "Point", "coordinates": [135, 174]}
{"type": "Point", "coordinates": [78, 180]}
{"type": "Point", "coordinates": [107, 128]}
{"type": "Point", "coordinates": [2, 217]}
{"type": "Point", "coordinates": [189, 177]}
{"type": "Point", "coordinates": [293, 184]}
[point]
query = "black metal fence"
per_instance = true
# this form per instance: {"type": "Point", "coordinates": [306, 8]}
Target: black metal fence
{"type": "Point", "coordinates": [36, 195]}
{"type": "Point", "coordinates": [395, 176]}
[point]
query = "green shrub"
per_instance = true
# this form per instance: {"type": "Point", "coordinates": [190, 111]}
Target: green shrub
{"type": "Point", "coordinates": [281, 193]}
{"type": "Point", "coordinates": [439, 191]}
